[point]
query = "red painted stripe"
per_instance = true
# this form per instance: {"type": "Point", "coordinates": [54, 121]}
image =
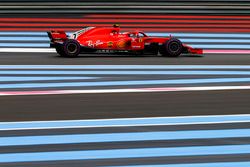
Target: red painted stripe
{"type": "Point", "coordinates": [111, 21]}
{"type": "Point", "coordinates": [212, 26]}
{"type": "Point", "coordinates": [226, 26]}
{"type": "Point", "coordinates": [38, 29]}
{"type": "Point", "coordinates": [223, 30]}
{"type": "Point", "coordinates": [40, 20]}
{"type": "Point", "coordinates": [167, 16]}
{"type": "Point", "coordinates": [227, 51]}
{"type": "Point", "coordinates": [89, 20]}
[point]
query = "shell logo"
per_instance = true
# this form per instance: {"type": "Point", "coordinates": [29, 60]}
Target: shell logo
{"type": "Point", "coordinates": [110, 44]}
{"type": "Point", "coordinates": [121, 44]}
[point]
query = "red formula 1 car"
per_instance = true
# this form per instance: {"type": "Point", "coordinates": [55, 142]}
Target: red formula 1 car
{"type": "Point", "coordinates": [91, 39]}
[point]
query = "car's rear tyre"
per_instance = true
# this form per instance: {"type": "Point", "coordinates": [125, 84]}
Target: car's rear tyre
{"type": "Point", "coordinates": [71, 48]}
{"type": "Point", "coordinates": [172, 48]}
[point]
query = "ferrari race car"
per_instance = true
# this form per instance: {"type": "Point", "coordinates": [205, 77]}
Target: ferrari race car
{"type": "Point", "coordinates": [92, 39]}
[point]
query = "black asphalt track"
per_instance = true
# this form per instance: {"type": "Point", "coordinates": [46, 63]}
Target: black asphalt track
{"type": "Point", "coordinates": [129, 145]}
{"type": "Point", "coordinates": [88, 106]}
{"type": "Point", "coordinates": [120, 105]}
{"type": "Point", "coordinates": [112, 59]}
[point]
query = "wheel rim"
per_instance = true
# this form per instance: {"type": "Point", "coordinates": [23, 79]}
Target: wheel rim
{"type": "Point", "coordinates": [72, 48]}
{"type": "Point", "coordinates": [174, 47]}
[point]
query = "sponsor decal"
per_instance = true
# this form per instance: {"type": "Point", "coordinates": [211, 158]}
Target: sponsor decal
{"type": "Point", "coordinates": [98, 42]}
{"type": "Point", "coordinates": [90, 43]}
{"type": "Point", "coordinates": [110, 44]}
{"type": "Point", "coordinates": [93, 44]}
{"type": "Point", "coordinates": [121, 35]}
{"type": "Point", "coordinates": [136, 46]}
{"type": "Point", "coordinates": [121, 44]}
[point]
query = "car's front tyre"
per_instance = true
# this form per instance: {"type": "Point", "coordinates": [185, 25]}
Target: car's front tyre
{"type": "Point", "coordinates": [171, 48]}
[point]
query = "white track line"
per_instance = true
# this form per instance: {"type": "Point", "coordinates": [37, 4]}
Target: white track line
{"type": "Point", "coordinates": [125, 122]}
{"type": "Point", "coordinates": [133, 90]}
{"type": "Point", "coordinates": [28, 50]}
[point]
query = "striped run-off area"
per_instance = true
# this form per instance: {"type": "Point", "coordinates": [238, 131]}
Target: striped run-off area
{"type": "Point", "coordinates": [79, 79]}
{"type": "Point", "coordinates": [146, 22]}
{"type": "Point", "coordinates": [74, 91]}
{"type": "Point", "coordinates": [213, 33]}
{"type": "Point", "coordinates": [199, 141]}
{"type": "Point", "coordinates": [125, 6]}
{"type": "Point", "coordinates": [210, 42]}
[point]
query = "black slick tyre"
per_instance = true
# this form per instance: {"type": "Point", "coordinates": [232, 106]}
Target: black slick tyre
{"type": "Point", "coordinates": [71, 48]}
{"type": "Point", "coordinates": [172, 48]}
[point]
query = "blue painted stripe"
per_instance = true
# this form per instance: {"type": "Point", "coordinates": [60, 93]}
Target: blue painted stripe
{"type": "Point", "coordinates": [217, 164]}
{"type": "Point", "coordinates": [25, 45]}
{"type": "Point", "coordinates": [124, 66]}
{"type": "Point", "coordinates": [14, 78]}
{"type": "Point", "coordinates": [185, 40]}
{"type": "Point", "coordinates": [212, 119]}
{"type": "Point", "coordinates": [24, 39]}
{"type": "Point", "coordinates": [122, 137]}
{"type": "Point", "coordinates": [23, 33]}
{"type": "Point", "coordinates": [182, 36]}
{"type": "Point", "coordinates": [122, 83]}
{"type": "Point", "coordinates": [222, 35]}
{"type": "Point", "coordinates": [129, 72]}
{"type": "Point", "coordinates": [216, 40]}
{"type": "Point", "coordinates": [156, 33]}
{"type": "Point", "coordinates": [125, 153]}
{"type": "Point", "coordinates": [217, 46]}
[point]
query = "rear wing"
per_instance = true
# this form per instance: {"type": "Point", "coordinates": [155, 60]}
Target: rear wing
{"type": "Point", "coordinates": [57, 37]}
